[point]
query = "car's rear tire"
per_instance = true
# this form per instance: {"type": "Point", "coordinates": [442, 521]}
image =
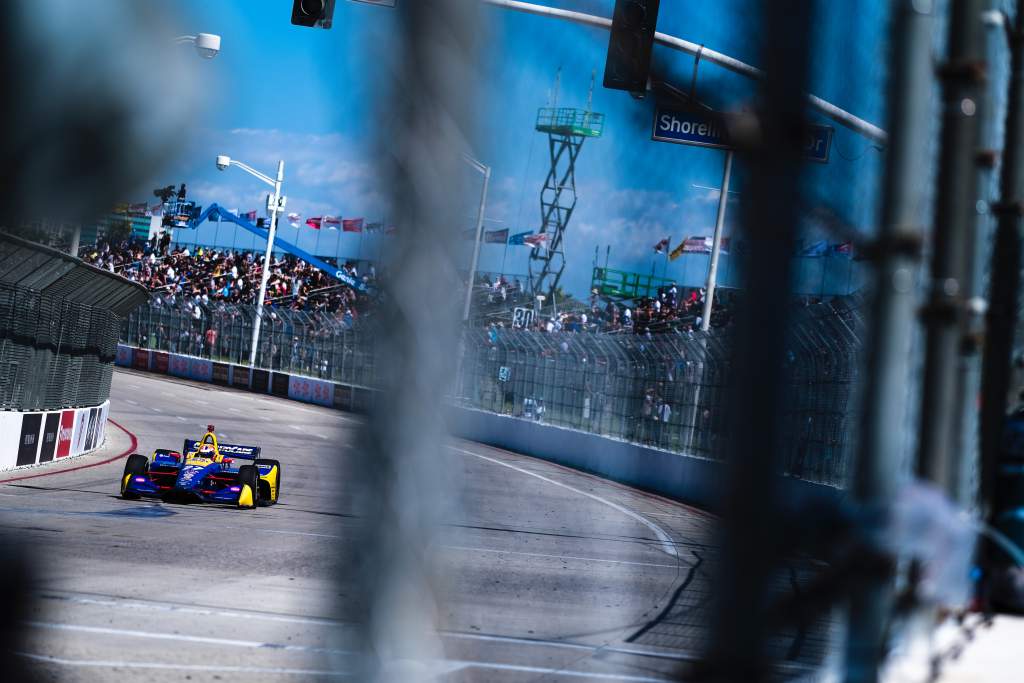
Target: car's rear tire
{"type": "Point", "coordinates": [269, 495]}
{"type": "Point", "coordinates": [137, 464]}
{"type": "Point", "coordinates": [249, 480]}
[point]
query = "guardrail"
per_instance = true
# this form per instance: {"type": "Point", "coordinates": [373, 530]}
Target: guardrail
{"type": "Point", "coordinates": [665, 392]}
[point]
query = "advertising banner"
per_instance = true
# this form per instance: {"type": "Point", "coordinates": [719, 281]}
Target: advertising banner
{"type": "Point", "coordinates": [141, 361]}
{"type": "Point", "coordinates": [67, 430]}
{"type": "Point", "coordinates": [124, 356]}
{"type": "Point", "coordinates": [200, 369]}
{"type": "Point", "coordinates": [220, 374]}
{"type": "Point", "coordinates": [80, 431]}
{"type": "Point", "coordinates": [28, 441]}
{"type": "Point", "coordinates": [311, 391]}
{"type": "Point", "coordinates": [94, 420]}
{"type": "Point", "coordinates": [160, 362]}
{"type": "Point", "coordinates": [177, 366]}
{"type": "Point", "coordinates": [50, 427]}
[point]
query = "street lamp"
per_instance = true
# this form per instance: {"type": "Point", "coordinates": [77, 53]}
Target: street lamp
{"type": "Point", "coordinates": [207, 44]}
{"type": "Point", "coordinates": [276, 204]}
{"type": "Point", "coordinates": [486, 171]}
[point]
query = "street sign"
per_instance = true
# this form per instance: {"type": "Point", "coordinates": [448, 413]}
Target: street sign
{"type": "Point", "coordinates": [701, 130]}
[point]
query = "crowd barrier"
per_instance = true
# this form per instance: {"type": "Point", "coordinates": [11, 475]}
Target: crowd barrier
{"type": "Point", "coordinates": [690, 479]}
{"type": "Point", "coordinates": [32, 438]}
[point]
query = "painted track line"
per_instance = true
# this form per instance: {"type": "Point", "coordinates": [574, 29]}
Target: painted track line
{"type": "Point", "coordinates": [180, 637]}
{"type": "Point", "coordinates": [558, 557]}
{"type": "Point", "coordinates": [666, 543]}
{"type": "Point", "coordinates": [131, 449]}
{"type": "Point", "coordinates": [203, 668]}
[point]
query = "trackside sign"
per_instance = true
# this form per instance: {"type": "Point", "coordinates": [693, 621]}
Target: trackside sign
{"type": "Point", "coordinates": [693, 128]}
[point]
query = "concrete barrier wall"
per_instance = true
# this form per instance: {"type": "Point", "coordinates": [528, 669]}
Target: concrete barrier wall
{"type": "Point", "coordinates": [32, 438]}
{"type": "Point", "coordinates": [692, 480]}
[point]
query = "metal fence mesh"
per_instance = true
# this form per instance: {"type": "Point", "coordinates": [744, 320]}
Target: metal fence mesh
{"type": "Point", "coordinates": [54, 353]}
{"type": "Point", "coordinates": [666, 391]}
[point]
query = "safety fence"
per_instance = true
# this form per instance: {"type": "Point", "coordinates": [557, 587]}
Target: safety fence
{"type": "Point", "coordinates": [667, 391]}
{"type": "Point", "coordinates": [59, 324]}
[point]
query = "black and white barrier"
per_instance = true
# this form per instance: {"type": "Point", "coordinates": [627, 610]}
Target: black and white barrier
{"type": "Point", "coordinates": [32, 438]}
{"type": "Point", "coordinates": [689, 479]}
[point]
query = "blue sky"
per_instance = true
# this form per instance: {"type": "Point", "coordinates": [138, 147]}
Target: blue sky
{"type": "Point", "coordinates": [279, 91]}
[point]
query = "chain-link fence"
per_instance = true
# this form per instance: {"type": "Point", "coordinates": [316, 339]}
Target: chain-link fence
{"type": "Point", "coordinates": [303, 343]}
{"type": "Point", "coordinates": [666, 391]}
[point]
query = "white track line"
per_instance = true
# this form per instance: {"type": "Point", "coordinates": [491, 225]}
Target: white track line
{"type": "Point", "coordinates": [221, 642]}
{"type": "Point", "coordinates": [560, 673]}
{"type": "Point", "coordinates": [108, 664]}
{"type": "Point", "coordinates": [666, 543]}
{"type": "Point", "coordinates": [157, 606]}
{"type": "Point", "coordinates": [558, 557]}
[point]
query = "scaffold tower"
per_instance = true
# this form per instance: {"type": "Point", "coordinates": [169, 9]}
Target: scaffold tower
{"type": "Point", "coordinates": [566, 128]}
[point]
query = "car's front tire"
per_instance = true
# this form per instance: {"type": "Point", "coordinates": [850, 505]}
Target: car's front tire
{"type": "Point", "coordinates": [249, 481]}
{"type": "Point", "coordinates": [137, 464]}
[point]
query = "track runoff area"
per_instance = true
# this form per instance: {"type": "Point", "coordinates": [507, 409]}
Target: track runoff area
{"type": "Point", "coordinates": [550, 573]}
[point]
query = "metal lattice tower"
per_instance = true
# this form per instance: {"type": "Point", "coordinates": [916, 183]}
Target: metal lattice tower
{"type": "Point", "coordinates": [567, 128]}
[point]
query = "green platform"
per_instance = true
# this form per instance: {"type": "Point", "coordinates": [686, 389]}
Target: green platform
{"type": "Point", "coordinates": [570, 121]}
{"type": "Point", "coordinates": [620, 284]}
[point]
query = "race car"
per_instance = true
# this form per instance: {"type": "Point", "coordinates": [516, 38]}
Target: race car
{"type": "Point", "coordinates": [204, 471]}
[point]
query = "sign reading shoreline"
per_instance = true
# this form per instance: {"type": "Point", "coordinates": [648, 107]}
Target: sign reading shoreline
{"type": "Point", "coordinates": [693, 128]}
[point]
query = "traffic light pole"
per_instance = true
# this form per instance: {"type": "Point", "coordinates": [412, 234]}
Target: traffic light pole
{"type": "Point", "coordinates": [840, 116]}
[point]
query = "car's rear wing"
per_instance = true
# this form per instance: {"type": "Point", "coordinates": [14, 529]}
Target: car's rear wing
{"type": "Point", "coordinates": [228, 450]}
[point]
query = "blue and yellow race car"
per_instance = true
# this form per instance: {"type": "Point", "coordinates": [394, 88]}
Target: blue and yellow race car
{"type": "Point", "coordinates": [204, 471]}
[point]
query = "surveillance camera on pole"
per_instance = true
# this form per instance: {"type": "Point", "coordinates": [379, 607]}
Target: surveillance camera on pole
{"type": "Point", "coordinates": [628, 65]}
{"type": "Point", "coordinates": [314, 13]}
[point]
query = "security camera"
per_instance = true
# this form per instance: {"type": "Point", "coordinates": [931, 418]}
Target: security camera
{"type": "Point", "coordinates": [223, 161]}
{"type": "Point", "coordinates": [207, 45]}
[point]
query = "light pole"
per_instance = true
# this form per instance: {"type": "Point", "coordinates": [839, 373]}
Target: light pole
{"type": "Point", "coordinates": [276, 204]}
{"type": "Point", "coordinates": [716, 245]}
{"type": "Point", "coordinates": [486, 171]}
{"type": "Point", "coordinates": [207, 44]}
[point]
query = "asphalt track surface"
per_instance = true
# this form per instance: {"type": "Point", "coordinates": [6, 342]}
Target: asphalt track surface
{"type": "Point", "coordinates": [552, 575]}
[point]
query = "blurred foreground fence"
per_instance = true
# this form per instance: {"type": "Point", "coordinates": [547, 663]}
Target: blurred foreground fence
{"type": "Point", "coordinates": [59, 322]}
{"type": "Point", "coordinates": [667, 391]}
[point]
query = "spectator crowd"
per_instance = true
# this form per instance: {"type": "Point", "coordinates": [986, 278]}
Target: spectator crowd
{"type": "Point", "coordinates": [203, 276]}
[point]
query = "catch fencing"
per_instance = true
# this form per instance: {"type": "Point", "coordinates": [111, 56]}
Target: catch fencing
{"type": "Point", "coordinates": [59, 324]}
{"type": "Point", "coordinates": [666, 391]}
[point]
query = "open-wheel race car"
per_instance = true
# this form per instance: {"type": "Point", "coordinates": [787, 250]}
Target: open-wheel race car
{"type": "Point", "coordinates": [204, 471]}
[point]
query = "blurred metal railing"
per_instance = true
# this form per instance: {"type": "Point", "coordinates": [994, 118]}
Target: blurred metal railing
{"type": "Point", "coordinates": [665, 391]}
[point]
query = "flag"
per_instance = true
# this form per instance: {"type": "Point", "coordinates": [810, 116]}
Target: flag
{"type": "Point", "coordinates": [331, 223]}
{"type": "Point", "coordinates": [678, 251]}
{"type": "Point", "coordinates": [374, 227]}
{"type": "Point", "coordinates": [496, 236]}
{"type": "Point", "coordinates": [352, 225]}
{"type": "Point", "coordinates": [817, 249]}
{"type": "Point", "coordinates": [250, 216]}
{"type": "Point", "coordinates": [314, 223]}
{"type": "Point", "coordinates": [539, 240]}
{"type": "Point", "coordinates": [519, 239]}
{"type": "Point", "coordinates": [843, 249]}
{"type": "Point", "coordinates": [697, 245]}
{"type": "Point", "coordinates": [661, 246]}
{"type": "Point", "coordinates": [294, 219]}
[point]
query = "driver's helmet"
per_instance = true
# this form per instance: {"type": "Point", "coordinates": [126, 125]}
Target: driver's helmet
{"type": "Point", "coordinates": [207, 450]}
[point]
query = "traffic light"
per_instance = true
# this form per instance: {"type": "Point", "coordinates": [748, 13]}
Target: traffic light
{"type": "Point", "coordinates": [629, 47]}
{"type": "Point", "coordinates": [313, 13]}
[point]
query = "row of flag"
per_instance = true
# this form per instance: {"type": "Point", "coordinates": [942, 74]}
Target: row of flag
{"type": "Point", "coordinates": [521, 239]}
{"type": "Point", "coordinates": [702, 245]}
